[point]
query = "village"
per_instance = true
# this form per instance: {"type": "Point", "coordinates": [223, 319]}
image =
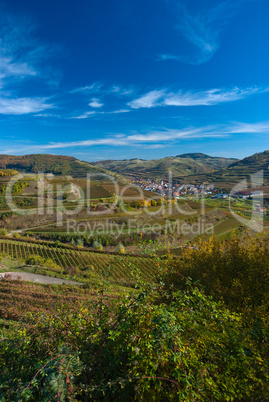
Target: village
{"type": "Point", "coordinates": [177, 190]}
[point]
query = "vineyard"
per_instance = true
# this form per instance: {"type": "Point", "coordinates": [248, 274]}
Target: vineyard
{"type": "Point", "coordinates": [120, 267]}
{"type": "Point", "coordinates": [19, 298]}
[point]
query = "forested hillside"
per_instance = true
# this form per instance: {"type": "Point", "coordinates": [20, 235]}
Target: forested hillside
{"type": "Point", "coordinates": [180, 165]}
{"type": "Point", "coordinates": [56, 164]}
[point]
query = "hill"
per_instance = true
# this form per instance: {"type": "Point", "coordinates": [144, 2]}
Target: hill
{"type": "Point", "coordinates": [56, 164]}
{"type": "Point", "coordinates": [237, 172]}
{"type": "Point", "coordinates": [190, 167]}
{"type": "Point", "coordinates": [180, 165]}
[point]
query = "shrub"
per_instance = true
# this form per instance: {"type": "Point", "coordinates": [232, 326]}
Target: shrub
{"type": "Point", "coordinates": [120, 248]}
{"type": "Point", "coordinates": [35, 260]}
{"type": "Point", "coordinates": [186, 348]}
{"type": "Point", "coordinates": [235, 271]}
{"type": "Point", "coordinates": [79, 243]}
{"type": "Point", "coordinates": [50, 263]}
{"type": "Point", "coordinates": [3, 232]}
{"type": "Point", "coordinates": [97, 246]}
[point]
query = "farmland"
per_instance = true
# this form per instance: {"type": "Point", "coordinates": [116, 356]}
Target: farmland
{"type": "Point", "coordinates": [133, 320]}
{"type": "Point", "coordinates": [128, 304]}
{"type": "Point", "coordinates": [118, 267]}
{"type": "Point", "coordinates": [64, 332]}
{"type": "Point", "coordinates": [17, 298]}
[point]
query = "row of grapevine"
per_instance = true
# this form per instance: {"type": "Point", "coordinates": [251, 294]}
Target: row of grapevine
{"type": "Point", "coordinates": [120, 266]}
{"type": "Point", "coordinates": [20, 298]}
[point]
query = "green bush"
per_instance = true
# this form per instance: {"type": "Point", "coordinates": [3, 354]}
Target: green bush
{"type": "Point", "coordinates": [120, 248]}
{"type": "Point", "coordinates": [35, 260]}
{"type": "Point", "coordinates": [79, 243]}
{"type": "Point", "coordinates": [3, 232]}
{"type": "Point", "coordinates": [186, 348]}
{"type": "Point", "coordinates": [235, 270]}
{"type": "Point", "coordinates": [97, 246]}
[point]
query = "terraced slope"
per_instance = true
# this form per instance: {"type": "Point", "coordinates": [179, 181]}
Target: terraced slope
{"type": "Point", "coordinates": [180, 165]}
{"type": "Point", "coordinates": [118, 267]}
{"type": "Point", "coordinates": [238, 171]}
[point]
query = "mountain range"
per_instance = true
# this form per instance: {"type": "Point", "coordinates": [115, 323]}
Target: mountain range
{"type": "Point", "coordinates": [180, 165]}
{"type": "Point", "coordinates": [191, 168]}
{"type": "Point", "coordinates": [254, 168]}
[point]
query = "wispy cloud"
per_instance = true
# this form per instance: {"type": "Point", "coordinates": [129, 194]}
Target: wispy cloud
{"type": "Point", "coordinates": [150, 99]}
{"type": "Point", "coordinates": [192, 98]}
{"type": "Point", "coordinates": [22, 54]}
{"type": "Point", "coordinates": [119, 111]}
{"type": "Point", "coordinates": [45, 115]}
{"type": "Point", "coordinates": [210, 97]}
{"type": "Point", "coordinates": [103, 89]}
{"type": "Point", "coordinates": [86, 115]}
{"type": "Point", "coordinates": [21, 59]}
{"type": "Point", "coordinates": [201, 28]}
{"type": "Point", "coordinates": [10, 68]}
{"type": "Point", "coordinates": [155, 138]}
{"type": "Point", "coordinates": [251, 128]}
{"type": "Point", "coordinates": [21, 106]}
{"type": "Point", "coordinates": [88, 89]}
{"type": "Point", "coordinates": [164, 57]}
{"type": "Point", "coordinates": [95, 103]}
{"type": "Point", "coordinates": [92, 113]}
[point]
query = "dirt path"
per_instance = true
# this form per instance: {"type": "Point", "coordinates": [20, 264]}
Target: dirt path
{"type": "Point", "coordinates": [26, 276]}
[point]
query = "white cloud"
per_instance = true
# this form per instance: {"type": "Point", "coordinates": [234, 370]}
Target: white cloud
{"type": "Point", "coordinates": [201, 29]}
{"type": "Point", "coordinates": [21, 106]}
{"type": "Point", "coordinates": [154, 138]}
{"type": "Point", "coordinates": [150, 99]}
{"type": "Point", "coordinates": [255, 128]}
{"type": "Point", "coordinates": [192, 98]}
{"type": "Point", "coordinates": [22, 55]}
{"type": "Point", "coordinates": [21, 59]}
{"type": "Point", "coordinates": [48, 115]}
{"type": "Point", "coordinates": [96, 103]}
{"type": "Point", "coordinates": [10, 68]}
{"type": "Point", "coordinates": [119, 111]}
{"type": "Point", "coordinates": [103, 89]}
{"type": "Point", "coordinates": [86, 115]}
{"type": "Point", "coordinates": [210, 97]}
{"type": "Point", "coordinates": [93, 88]}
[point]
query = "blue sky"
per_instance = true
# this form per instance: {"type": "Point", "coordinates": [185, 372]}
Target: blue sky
{"type": "Point", "coordinates": [132, 78]}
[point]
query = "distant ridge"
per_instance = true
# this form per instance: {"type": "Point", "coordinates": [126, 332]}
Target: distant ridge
{"type": "Point", "coordinates": [197, 155]}
{"type": "Point", "coordinates": [181, 165]}
{"type": "Point", "coordinates": [238, 171]}
{"type": "Point", "coordinates": [56, 164]}
{"type": "Point", "coordinates": [189, 167]}
{"type": "Point", "coordinates": [194, 156]}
